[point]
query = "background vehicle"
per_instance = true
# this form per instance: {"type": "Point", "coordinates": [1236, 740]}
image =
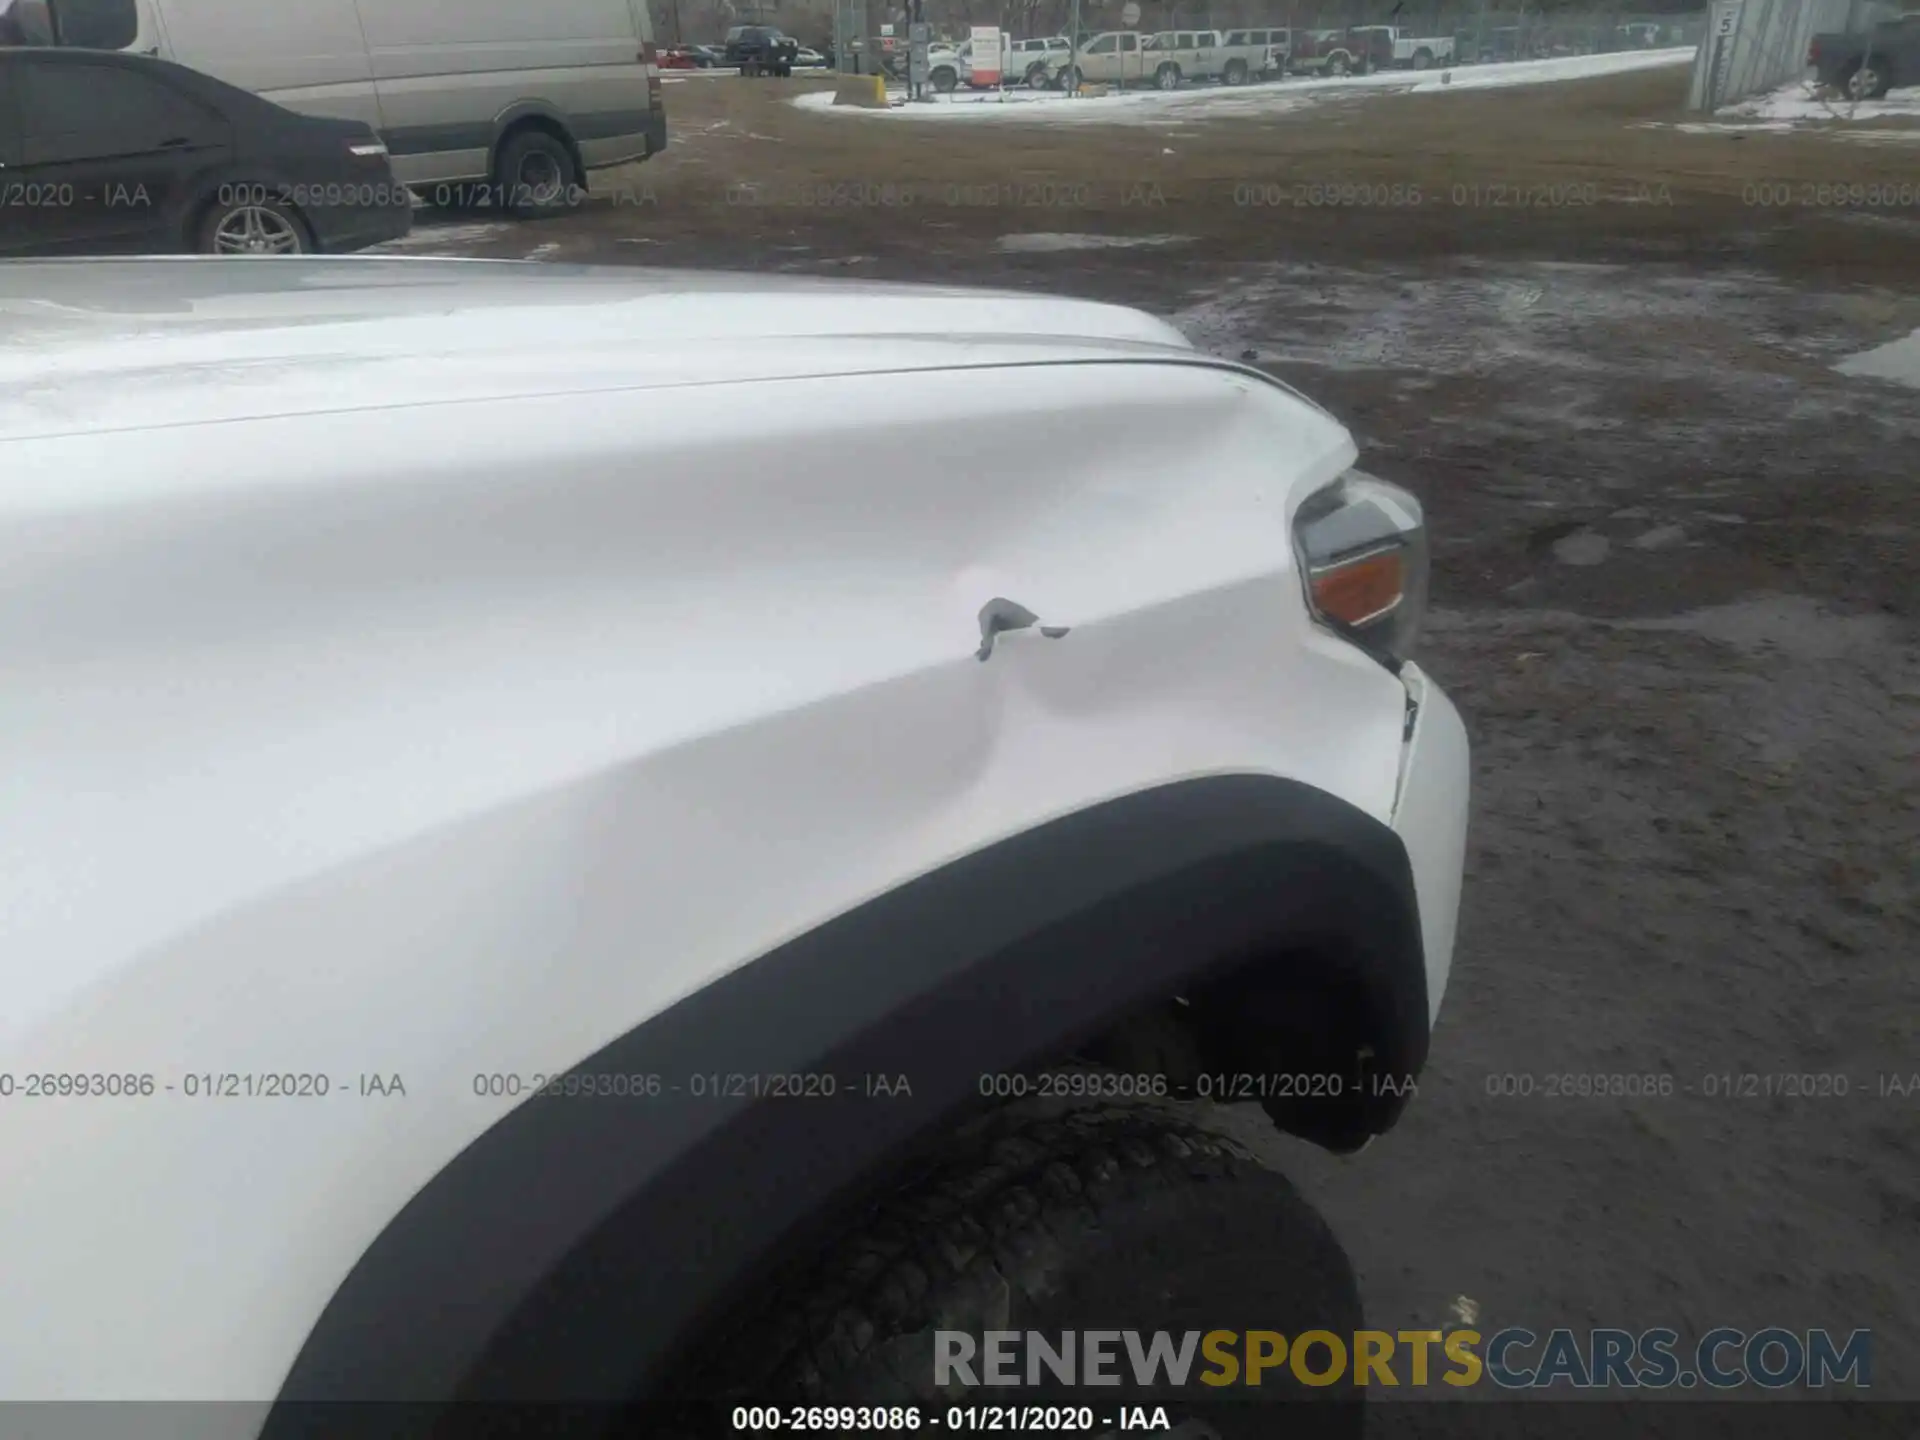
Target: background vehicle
{"type": "Point", "coordinates": [1390, 47]}
{"type": "Point", "coordinates": [1247, 54]}
{"type": "Point", "coordinates": [581, 93]}
{"type": "Point", "coordinates": [1115, 57]}
{"type": "Point", "coordinates": [761, 50]}
{"type": "Point", "coordinates": [125, 154]}
{"type": "Point", "coordinates": [1328, 52]}
{"type": "Point", "coordinates": [706, 56]}
{"type": "Point", "coordinates": [704, 821]}
{"type": "Point", "coordinates": [1868, 65]}
{"type": "Point", "coordinates": [1035, 62]}
{"type": "Point", "coordinates": [807, 58]}
{"type": "Point", "coordinates": [1172, 56]}
{"type": "Point", "coordinates": [947, 65]}
{"type": "Point", "coordinates": [678, 57]}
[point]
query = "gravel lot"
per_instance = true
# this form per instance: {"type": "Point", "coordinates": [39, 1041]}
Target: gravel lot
{"type": "Point", "coordinates": [1676, 601]}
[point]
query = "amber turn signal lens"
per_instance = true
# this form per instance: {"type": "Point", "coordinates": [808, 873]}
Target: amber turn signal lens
{"type": "Point", "coordinates": [1362, 590]}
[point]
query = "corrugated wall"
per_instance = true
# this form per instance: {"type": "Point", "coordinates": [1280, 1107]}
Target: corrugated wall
{"type": "Point", "coordinates": [1753, 46]}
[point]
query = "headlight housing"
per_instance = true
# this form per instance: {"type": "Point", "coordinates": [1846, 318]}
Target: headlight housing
{"type": "Point", "coordinates": [1362, 545]}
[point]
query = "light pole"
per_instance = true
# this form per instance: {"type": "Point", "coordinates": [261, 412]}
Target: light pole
{"type": "Point", "coordinates": [1073, 52]}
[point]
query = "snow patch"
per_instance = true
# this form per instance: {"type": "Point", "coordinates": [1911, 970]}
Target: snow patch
{"type": "Point", "coordinates": [1048, 243]}
{"type": "Point", "coordinates": [1797, 101]}
{"type": "Point", "coordinates": [1221, 102]}
{"type": "Point", "coordinates": [1898, 362]}
{"type": "Point", "coordinates": [434, 237]}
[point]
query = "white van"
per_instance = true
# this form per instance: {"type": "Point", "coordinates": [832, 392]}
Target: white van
{"type": "Point", "coordinates": [481, 102]}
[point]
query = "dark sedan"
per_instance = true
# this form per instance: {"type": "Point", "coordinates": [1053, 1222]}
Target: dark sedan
{"type": "Point", "coordinates": [105, 153]}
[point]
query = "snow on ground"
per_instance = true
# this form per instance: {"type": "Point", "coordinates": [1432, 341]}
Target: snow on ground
{"type": "Point", "coordinates": [1796, 108]}
{"type": "Point", "coordinates": [1797, 102]}
{"type": "Point", "coordinates": [436, 237]}
{"type": "Point", "coordinates": [1270, 98]}
{"type": "Point", "coordinates": [1046, 243]}
{"type": "Point", "coordinates": [1898, 362]}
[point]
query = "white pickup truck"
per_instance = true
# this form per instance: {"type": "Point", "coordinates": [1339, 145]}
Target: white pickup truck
{"type": "Point", "coordinates": [1390, 47]}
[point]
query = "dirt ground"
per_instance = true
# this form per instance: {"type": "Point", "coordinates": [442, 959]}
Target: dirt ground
{"type": "Point", "coordinates": [1675, 597]}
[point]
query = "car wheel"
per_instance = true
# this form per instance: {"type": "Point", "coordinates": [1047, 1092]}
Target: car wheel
{"type": "Point", "coordinates": [1071, 79]}
{"type": "Point", "coordinates": [1167, 77]}
{"type": "Point", "coordinates": [945, 79]}
{"type": "Point", "coordinates": [257, 227]}
{"type": "Point", "coordinates": [1337, 65]}
{"type": "Point", "coordinates": [536, 176]}
{"type": "Point", "coordinates": [1422, 59]}
{"type": "Point", "coordinates": [1868, 82]}
{"type": "Point", "coordinates": [1236, 72]}
{"type": "Point", "coordinates": [1037, 76]}
{"type": "Point", "coordinates": [1099, 1219]}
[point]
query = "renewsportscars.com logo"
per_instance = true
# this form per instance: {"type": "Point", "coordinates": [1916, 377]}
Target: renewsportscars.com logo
{"type": "Point", "coordinates": [1512, 1359]}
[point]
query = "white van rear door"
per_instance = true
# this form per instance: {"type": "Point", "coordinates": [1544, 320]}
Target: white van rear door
{"type": "Point", "coordinates": [308, 55]}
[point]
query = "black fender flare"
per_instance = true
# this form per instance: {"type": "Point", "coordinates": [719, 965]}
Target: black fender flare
{"type": "Point", "coordinates": [567, 1254]}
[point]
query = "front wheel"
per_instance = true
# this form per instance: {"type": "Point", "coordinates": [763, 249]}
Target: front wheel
{"type": "Point", "coordinates": [252, 227]}
{"type": "Point", "coordinates": [1337, 65]}
{"type": "Point", "coordinates": [944, 80]}
{"type": "Point", "coordinates": [1071, 79]}
{"type": "Point", "coordinates": [1109, 1218]}
{"type": "Point", "coordinates": [1422, 59]}
{"type": "Point", "coordinates": [1236, 72]}
{"type": "Point", "coordinates": [1167, 77]}
{"type": "Point", "coordinates": [1037, 76]}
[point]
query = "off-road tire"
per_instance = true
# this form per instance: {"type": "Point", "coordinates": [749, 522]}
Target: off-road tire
{"type": "Point", "coordinates": [1235, 73]}
{"type": "Point", "coordinates": [1111, 1217]}
{"type": "Point", "coordinates": [1167, 77]}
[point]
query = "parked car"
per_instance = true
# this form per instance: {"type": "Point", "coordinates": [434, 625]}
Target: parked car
{"type": "Point", "coordinates": [948, 64]}
{"type": "Point", "coordinates": [678, 57]}
{"type": "Point", "coordinates": [1325, 52]}
{"type": "Point", "coordinates": [807, 58]}
{"type": "Point", "coordinates": [672, 857]}
{"type": "Point", "coordinates": [1113, 57]}
{"type": "Point", "coordinates": [1867, 65]}
{"type": "Point", "coordinates": [127, 154]}
{"type": "Point", "coordinates": [1034, 63]}
{"type": "Point", "coordinates": [465, 128]}
{"type": "Point", "coordinates": [1250, 54]}
{"type": "Point", "coordinates": [1171, 57]}
{"type": "Point", "coordinates": [1388, 47]}
{"type": "Point", "coordinates": [761, 50]}
{"type": "Point", "coordinates": [706, 57]}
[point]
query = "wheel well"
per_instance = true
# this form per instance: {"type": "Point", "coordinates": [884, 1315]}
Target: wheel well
{"type": "Point", "coordinates": [1242, 923]}
{"type": "Point", "coordinates": [1295, 1031]}
{"type": "Point", "coordinates": [546, 125]}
